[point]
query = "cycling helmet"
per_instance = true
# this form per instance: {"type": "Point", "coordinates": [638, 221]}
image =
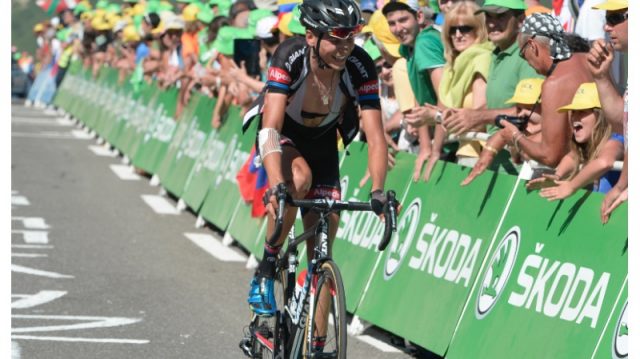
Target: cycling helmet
{"type": "Point", "coordinates": [323, 15]}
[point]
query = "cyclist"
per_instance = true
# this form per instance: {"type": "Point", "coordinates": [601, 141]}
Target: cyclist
{"type": "Point", "coordinates": [315, 86]}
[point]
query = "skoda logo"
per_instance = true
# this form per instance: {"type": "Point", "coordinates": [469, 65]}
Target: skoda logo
{"type": "Point", "coordinates": [401, 240]}
{"type": "Point", "coordinates": [621, 337]}
{"type": "Point", "coordinates": [498, 272]}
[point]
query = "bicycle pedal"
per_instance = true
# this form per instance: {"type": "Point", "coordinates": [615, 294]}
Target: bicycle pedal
{"type": "Point", "coordinates": [245, 346]}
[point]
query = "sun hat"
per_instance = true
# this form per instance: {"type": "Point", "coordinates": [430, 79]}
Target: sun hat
{"type": "Point", "coordinates": [265, 26]}
{"type": "Point", "coordinates": [502, 6]}
{"type": "Point", "coordinates": [190, 12]}
{"type": "Point", "coordinates": [295, 27]}
{"type": "Point", "coordinates": [395, 5]}
{"type": "Point", "coordinates": [379, 27]}
{"type": "Point", "coordinates": [612, 5]}
{"type": "Point", "coordinates": [549, 26]}
{"type": "Point", "coordinates": [586, 98]}
{"type": "Point", "coordinates": [527, 92]}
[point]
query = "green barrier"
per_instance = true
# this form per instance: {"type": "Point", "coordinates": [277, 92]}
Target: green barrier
{"type": "Point", "coordinates": [552, 278]}
{"type": "Point", "coordinates": [137, 122]}
{"type": "Point", "coordinates": [159, 131]}
{"type": "Point", "coordinates": [223, 195]}
{"type": "Point", "coordinates": [124, 105]}
{"type": "Point", "coordinates": [104, 115]}
{"type": "Point", "coordinates": [444, 231]}
{"type": "Point", "coordinates": [614, 340]}
{"type": "Point", "coordinates": [193, 132]}
{"type": "Point", "coordinates": [247, 230]}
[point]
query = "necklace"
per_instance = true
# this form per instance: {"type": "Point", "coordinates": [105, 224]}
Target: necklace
{"type": "Point", "coordinates": [324, 92]}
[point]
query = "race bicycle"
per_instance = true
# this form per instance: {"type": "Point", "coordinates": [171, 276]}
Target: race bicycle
{"type": "Point", "coordinates": [310, 321]}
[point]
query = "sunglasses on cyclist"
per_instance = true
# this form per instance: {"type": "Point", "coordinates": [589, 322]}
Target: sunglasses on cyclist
{"type": "Point", "coordinates": [616, 18]}
{"type": "Point", "coordinates": [464, 29]}
{"type": "Point", "coordinates": [344, 33]}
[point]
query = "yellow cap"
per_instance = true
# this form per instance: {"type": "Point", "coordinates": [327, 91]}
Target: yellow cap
{"type": "Point", "coordinates": [586, 98]}
{"type": "Point", "coordinates": [283, 24]}
{"type": "Point", "coordinates": [100, 23]}
{"type": "Point", "coordinates": [190, 12]}
{"type": "Point", "coordinates": [527, 92]}
{"type": "Point", "coordinates": [130, 34]}
{"type": "Point", "coordinates": [39, 27]}
{"type": "Point", "coordinates": [380, 28]}
{"type": "Point", "coordinates": [612, 5]}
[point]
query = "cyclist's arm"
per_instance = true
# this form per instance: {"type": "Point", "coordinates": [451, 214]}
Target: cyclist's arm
{"type": "Point", "coordinates": [273, 117]}
{"type": "Point", "coordinates": [372, 127]}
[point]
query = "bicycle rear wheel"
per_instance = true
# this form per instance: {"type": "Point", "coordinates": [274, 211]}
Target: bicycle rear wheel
{"type": "Point", "coordinates": [267, 333]}
{"type": "Point", "coordinates": [326, 329]}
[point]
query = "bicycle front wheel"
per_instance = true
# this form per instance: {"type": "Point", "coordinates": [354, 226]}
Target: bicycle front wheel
{"type": "Point", "coordinates": [326, 329]}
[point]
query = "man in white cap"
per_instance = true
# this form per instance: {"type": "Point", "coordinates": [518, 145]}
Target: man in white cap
{"type": "Point", "coordinates": [614, 106]}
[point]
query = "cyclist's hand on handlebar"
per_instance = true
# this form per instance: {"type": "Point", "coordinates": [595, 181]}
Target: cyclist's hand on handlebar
{"type": "Point", "coordinates": [271, 196]}
{"type": "Point", "coordinates": [378, 200]}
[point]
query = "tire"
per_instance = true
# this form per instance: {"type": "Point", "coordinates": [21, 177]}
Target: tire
{"type": "Point", "coordinates": [329, 284]}
{"type": "Point", "coordinates": [268, 327]}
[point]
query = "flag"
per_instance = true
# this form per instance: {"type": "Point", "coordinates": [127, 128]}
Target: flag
{"type": "Point", "coordinates": [253, 183]}
{"type": "Point", "coordinates": [55, 6]}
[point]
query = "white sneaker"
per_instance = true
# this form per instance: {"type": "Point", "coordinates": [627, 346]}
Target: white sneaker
{"type": "Point", "coordinates": [28, 103]}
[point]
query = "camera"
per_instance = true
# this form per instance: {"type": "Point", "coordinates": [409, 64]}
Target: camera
{"type": "Point", "coordinates": [519, 122]}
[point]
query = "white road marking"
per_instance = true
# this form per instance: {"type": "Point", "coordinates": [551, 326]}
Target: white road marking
{"type": "Point", "coordinates": [42, 273]}
{"type": "Point", "coordinates": [31, 246]}
{"type": "Point", "coordinates": [29, 255]}
{"type": "Point", "coordinates": [33, 300]}
{"type": "Point", "coordinates": [160, 204]}
{"type": "Point", "coordinates": [81, 135]}
{"type": "Point", "coordinates": [16, 352]}
{"type": "Point", "coordinates": [125, 173]}
{"type": "Point", "coordinates": [62, 121]}
{"type": "Point", "coordinates": [380, 345]}
{"type": "Point", "coordinates": [33, 237]}
{"type": "Point", "coordinates": [18, 120]}
{"type": "Point", "coordinates": [84, 340]}
{"type": "Point", "coordinates": [81, 322]}
{"type": "Point", "coordinates": [19, 200]}
{"type": "Point", "coordinates": [45, 134]}
{"type": "Point", "coordinates": [214, 247]}
{"type": "Point", "coordinates": [101, 151]}
{"type": "Point", "coordinates": [32, 222]}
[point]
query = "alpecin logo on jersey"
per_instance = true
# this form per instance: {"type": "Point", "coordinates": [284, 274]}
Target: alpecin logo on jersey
{"type": "Point", "coordinates": [368, 88]}
{"type": "Point", "coordinates": [279, 75]}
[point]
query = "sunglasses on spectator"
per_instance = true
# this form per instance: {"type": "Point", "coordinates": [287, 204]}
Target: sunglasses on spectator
{"type": "Point", "coordinates": [464, 29]}
{"type": "Point", "coordinates": [523, 49]}
{"type": "Point", "coordinates": [385, 65]}
{"type": "Point", "coordinates": [344, 33]}
{"type": "Point", "coordinates": [616, 18]}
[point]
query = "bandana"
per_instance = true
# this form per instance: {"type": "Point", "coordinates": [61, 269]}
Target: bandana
{"type": "Point", "coordinates": [540, 24]}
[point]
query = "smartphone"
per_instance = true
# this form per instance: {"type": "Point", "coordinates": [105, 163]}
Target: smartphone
{"type": "Point", "coordinates": [540, 185]}
{"type": "Point", "coordinates": [247, 51]}
{"type": "Point", "coordinates": [540, 171]}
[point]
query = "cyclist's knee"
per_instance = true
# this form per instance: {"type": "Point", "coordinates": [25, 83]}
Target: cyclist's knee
{"type": "Point", "coordinates": [301, 181]}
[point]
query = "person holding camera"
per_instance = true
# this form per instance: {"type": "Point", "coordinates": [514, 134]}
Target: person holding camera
{"type": "Point", "coordinates": [561, 58]}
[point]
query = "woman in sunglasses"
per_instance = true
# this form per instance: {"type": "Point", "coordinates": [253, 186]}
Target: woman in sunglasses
{"type": "Point", "coordinates": [319, 87]}
{"type": "Point", "coordinates": [468, 55]}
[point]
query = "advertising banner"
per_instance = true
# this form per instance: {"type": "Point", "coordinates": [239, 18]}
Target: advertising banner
{"type": "Point", "coordinates": [426, 273]}
{"type": "Point", "coordinates": [552, 278]}
{"type": "Point", "coordinates": [198, 126]}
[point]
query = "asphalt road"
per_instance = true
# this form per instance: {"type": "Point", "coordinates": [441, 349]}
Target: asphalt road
{"type": "Point", "coordinates": [98, 273]}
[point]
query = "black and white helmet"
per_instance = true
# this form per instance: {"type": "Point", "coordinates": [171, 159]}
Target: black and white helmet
{"type": "Point", "coordinates": [323, 15]}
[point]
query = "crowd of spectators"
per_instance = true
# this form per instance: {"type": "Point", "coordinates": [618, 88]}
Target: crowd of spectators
{"type": "Point", "coordinates": [508, 81]}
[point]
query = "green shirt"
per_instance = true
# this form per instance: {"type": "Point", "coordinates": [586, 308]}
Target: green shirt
{"type": "Point", "coordinates": [427, 54]}
{"type": "Point", "coordinates": [506, 70]}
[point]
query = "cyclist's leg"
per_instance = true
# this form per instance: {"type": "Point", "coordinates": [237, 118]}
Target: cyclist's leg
{"type": "Point", "coordinates": [297, 176]}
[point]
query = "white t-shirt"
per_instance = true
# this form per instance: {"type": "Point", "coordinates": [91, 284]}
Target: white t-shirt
{"type": "Point", "coordinates": [590, 24]}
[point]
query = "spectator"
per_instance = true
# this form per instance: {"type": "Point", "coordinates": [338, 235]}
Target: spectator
{"type": "Point", "coordinates": [424, 52]}
{"type": "Point", "coordinates": [468, 54]}
{"type": "Point", "coordinates": [504, 19]}
{"type": "Point", "coordinates": [614, 106]}
{"type": "Point", "coordinates": [593, 146]}
{"type": "Point", "coordinates": [545, 46]}
{"type": "Point", "coordinates": [534, 6]}
{"type": "Point", "coordinates": [526, 98]}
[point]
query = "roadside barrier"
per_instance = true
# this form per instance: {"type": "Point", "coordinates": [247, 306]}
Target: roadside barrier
{"type": "Point", "coordinates": [485, 270]}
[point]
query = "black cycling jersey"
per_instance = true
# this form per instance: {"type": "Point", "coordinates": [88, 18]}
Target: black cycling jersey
{"type": "Point", "coordinates": [290, 67]}
{"type": "Point", "coordinates": [318, 145]}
